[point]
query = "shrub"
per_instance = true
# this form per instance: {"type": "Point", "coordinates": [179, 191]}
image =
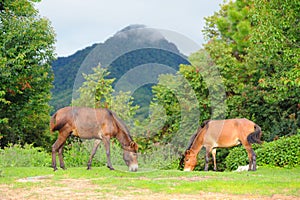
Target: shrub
{"type": "Point", "coordinates": [26, 156]}
{"type": "Point", "coordinates": [77, 154]}
{"type": "Point", "coordinates": [237, 157]}
{"type": "Point", "coordinates": [284, 152]}
{"type": "Point", "coordinates": [161, 157]}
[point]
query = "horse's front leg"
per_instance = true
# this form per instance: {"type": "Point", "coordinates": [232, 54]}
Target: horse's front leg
{"type": "Point", "coordinates": [107, 148]}
{"type": "Point", "coordinates": [96, 145]}
{"type": "Point", "coordinates": [206, 159]}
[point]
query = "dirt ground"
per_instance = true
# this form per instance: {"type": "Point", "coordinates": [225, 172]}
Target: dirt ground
{"type": "Point", "coordinates": [82, 189]}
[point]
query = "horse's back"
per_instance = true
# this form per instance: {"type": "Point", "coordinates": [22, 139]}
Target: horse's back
{"type": "Point", "coordinates": [86, 122]}
{"type": "Point", "coordinates": [226, 133]}
{"type": "Point", "coordinates": [231, 123]}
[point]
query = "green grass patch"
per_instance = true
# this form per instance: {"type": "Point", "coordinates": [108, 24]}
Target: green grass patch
{"type": "Point", "coordinates": [264, 182]}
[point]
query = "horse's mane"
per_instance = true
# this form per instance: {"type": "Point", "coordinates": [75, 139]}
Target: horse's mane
{"type": "Point", "coordinates": [121, 124]}
{"type": "Point", "coordinates": [205, 123]}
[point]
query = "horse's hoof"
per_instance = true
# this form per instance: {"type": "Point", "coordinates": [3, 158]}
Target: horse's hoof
{"type": "Point", "coordinates": [111, 168]}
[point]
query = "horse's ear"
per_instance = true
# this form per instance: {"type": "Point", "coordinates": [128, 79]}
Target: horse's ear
{"type": "Point", "coordinates": [187, 152]}
{"type": "Point", "coordinates": [134, 145]}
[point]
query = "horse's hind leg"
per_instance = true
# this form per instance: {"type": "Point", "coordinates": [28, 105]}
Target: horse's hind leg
{"type": "Point", "coordinates": [60, 155]}
{"type": "Point", "coordinates": [96, 145]}
{"type": "Point", "coordinates": [253, 160]}
{"type": "Point", "coordinates": [251, 157]}
{"type": "Point", "coordinates": [214, 152]}
{"type": "Point", "coordinates": [55, 148]}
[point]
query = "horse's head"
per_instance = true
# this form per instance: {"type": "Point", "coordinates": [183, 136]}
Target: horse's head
{"type": "Point", "coordinates": [130, 156]}
{"type": "Point", "coordinates": [190, 160]}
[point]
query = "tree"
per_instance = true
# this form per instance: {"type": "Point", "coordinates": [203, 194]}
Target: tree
{"type": "Point", "coordinates": [184, 100]}
{"type": "Point", "coordinates": [26, 51]}
{"type": "Point", "coordinates": [256, 45]}
{"type": "Point", "coordinates": [97, 92]}
{"type": "Point", "coordinates": [275, 52]}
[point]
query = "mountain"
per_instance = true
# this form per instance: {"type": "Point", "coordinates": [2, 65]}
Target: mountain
{"type": "Point", "coordinates": [134, 47]}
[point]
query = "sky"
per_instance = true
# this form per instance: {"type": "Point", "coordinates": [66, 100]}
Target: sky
{"type": "Point", "coordinates": [81, 23]}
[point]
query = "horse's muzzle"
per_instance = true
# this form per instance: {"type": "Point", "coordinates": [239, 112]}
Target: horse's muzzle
{"type": "Point", "coordinates": [187, 169]}
{"type": "Point", "coordinates": [133, 167]}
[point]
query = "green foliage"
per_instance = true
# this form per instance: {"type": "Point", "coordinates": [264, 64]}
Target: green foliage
{"type": "Point", "coordinates": [174, 109]}
{"type": "Point", "coordinates": [27, 156]}
{"type": "Point", "coordinates": [96, 91]}
{"type": "Point", "coordinates": [123, 104]}
{"type": "Point", "coordinates": [65, 70]}
{"type": "Point", "coordinates": [284, 152]}
{"type": "Point", "coordinates": [184, 100]}
{"type": "Point", "coordinates": [256, 46]}
{"type": "Point", "coordinates": [237, 157]}
{"type": "Point", "coordinates": [159, 157]}
{"type": "Point", "coordinates": [230, 26]}
{"type": "Point", "coordinates": [26, 51]}
{"type": "Point", "coordinates": [77, 153]}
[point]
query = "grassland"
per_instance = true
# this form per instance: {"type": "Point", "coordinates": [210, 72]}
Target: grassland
{"type": "Point", "coordinates": [101, 183]}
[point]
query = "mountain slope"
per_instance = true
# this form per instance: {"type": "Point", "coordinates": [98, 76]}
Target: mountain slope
{"type": "Point", "coordinates": [129, 48]}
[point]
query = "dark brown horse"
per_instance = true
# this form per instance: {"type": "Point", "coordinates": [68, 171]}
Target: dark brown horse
{"type": "Point", "coordinates": [222, 133]}
{"type": "Point", "coordinates": [89, 123]}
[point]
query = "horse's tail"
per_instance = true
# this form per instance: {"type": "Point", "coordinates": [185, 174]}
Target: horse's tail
{"type": "Point", "coordinates": [56, 125]}
{"type": "Point", "coordinates": [52, 123]}
{"type": "Point", "coordinates": [255, 136]}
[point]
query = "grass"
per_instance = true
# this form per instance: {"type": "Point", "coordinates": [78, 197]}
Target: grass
{"type": "Point", "coordinates": [264, 182]}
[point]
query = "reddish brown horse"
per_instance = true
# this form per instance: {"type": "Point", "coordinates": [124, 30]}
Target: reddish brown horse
{"type": "Point", "coordinates": [222, 133]}
{"type": "Point", "coordinates": [89, 123]}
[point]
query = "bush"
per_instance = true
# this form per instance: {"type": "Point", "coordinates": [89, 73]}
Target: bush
{"type": "Point", "coordinates": [238, 157]}
{"type": "Point", "coordinates": [161, 157]}
{"type": "Point", "coordinates": [284, 152]}
{"type": "Point", "coordinates": [77, 154]}
{"type": "Point", "coordinates": [26, 156]}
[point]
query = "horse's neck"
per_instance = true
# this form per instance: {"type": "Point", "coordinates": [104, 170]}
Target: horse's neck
{"type": "Point", "coordinates": [123, 138]}
{"type": "Point", "coordinates": [198, 141]}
